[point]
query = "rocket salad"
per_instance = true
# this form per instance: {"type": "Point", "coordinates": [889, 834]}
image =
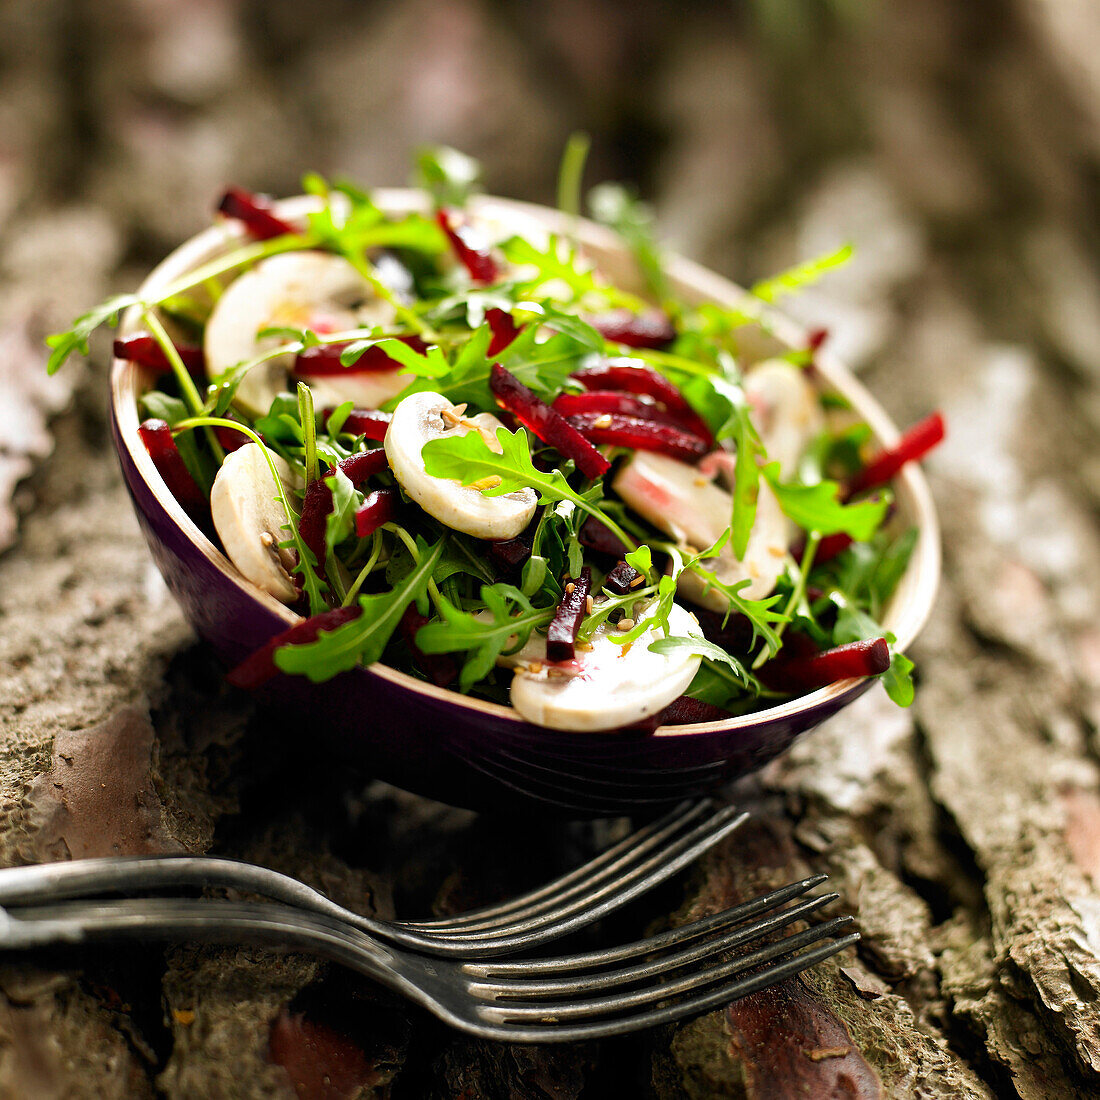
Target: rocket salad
{"type": "Point", "coordinates": [456, 447]}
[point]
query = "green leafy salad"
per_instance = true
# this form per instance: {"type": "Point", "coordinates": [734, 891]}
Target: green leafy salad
{"type": "Point", "coordinates": [442, 434]}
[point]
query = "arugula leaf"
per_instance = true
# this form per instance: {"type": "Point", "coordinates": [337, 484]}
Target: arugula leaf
{"type": "Point", "coordinates": [484, 635]}
{"type": "Point", "coordinates": [898, 681]}
{"type": "Point", "coordinates": [697, 644]}
{"type": "Point", "coordinates": [340, 522]}
{"type": "Point", "coordinates": [364, 638]}
{"type": "Point", "coordinates": [819, 507]}
{"type": "Point", "coordinates": [431, 363]}
{"type": "Point", "coordinates": [801, 275]}
{"type": "Point", "coordinates": [63, 344]}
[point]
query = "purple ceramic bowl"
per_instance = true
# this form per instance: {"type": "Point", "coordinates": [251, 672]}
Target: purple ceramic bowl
{"type": "Point", "coordinates": [460, 750]}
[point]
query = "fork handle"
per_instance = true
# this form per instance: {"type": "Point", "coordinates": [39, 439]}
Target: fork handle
{"type": "Point", "coordinates": [203, 920]}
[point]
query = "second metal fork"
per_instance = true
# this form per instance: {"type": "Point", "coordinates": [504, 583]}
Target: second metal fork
{"type": "Point", "coordinates": [664, 978]}
{"type": "Point", "coordinates": [634, 865]}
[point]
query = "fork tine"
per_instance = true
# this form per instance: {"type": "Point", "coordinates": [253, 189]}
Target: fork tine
{"type": "Point", "coordinates": [506, 1011]}
{"type": "Point", "coordinates": [589, 903]}
{"type": "Point", "coordinates": [726, 992]}
{"type": "Point", "coordinates": [608, 863]}
{"type": "Point", "coordinates": [661, 941]}
{"type": "Point", "coordinates": [650, 967]}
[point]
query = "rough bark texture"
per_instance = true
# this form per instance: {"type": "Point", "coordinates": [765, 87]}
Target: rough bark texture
{"type": "Point", "coordinates": [957, 145]}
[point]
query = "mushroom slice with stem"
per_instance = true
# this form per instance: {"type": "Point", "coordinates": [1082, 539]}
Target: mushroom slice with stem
{"type": "Point", "coordinates": [251, 522]}
{"type": "Point", "coordinates": [424, 416]}
{"type": "Point", "coordinates": [609, 684]}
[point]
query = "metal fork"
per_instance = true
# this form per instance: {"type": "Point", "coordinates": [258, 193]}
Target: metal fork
{"type": "Point", "coordinates": [624, 871]}
{"type": "Point", "coordinates": [666, 977]}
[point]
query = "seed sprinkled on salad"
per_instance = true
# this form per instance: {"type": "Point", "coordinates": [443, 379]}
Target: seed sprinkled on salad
{"type": "Point", "coordinates": [460, 449]}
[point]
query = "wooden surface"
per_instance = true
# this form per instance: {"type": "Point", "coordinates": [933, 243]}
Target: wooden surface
{"type": "Point", "coordinates": [957, 146]}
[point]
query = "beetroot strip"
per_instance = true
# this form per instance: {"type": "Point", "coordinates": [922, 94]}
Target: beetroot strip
{"type": "Point", "coordinates": [622, 578]}
{"type": "Point", "coordinates": [800, 674]}
{"type": "Point", "coordinates": [259, 667]}
{"type": "Point", "coordinates": [614, 401]}
{"type": "Point", "coordinates": [914, 444]}
{"type": "Point", "coordinates": [369, 422]}
{"type": "Point", "coordinates": [143, 349]}
{"type": "Point", "coordinates": [561, 635]}
{"type": "Point", "coordinates": [318, 499]}
{"type": "Point", "coordinates": [479, 262]}
{"type": "Point", "coordinates": [158, 440]}
{"type": "Point", "coordinates": [257, 212]}
{"type": "Point", "coordinates": [644, 380]}
{"type": "Point", "coordinates": [635, 330]}
{"type": "Point", "coordinates": [380, 507]}
{"type": "Point", "coordinates": [550, 426]}
{"type": "Point", "coordinates": [641, 435]}
{"type": "Point", "coordinates": [504, 329]}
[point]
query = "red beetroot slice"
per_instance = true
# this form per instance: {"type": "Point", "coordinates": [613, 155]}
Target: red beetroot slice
{"type": "Point", "coordinates": [380, 507]}
{"type": "Point", "coordinates": [440, 668]}
{"type": "Point", "coordinates": [256, 212]}
{"type": "Point", "coordinates": [550, 426]}
{"type": "Point", "coordinates": [230, 439]}
{"type": "Point", "coordinates": [369, 422]}
{"type": "Point", "coordinates": [477, 260]}
{"type": "Point", "coordinates": [142, 349]}
{"type": "Point", "coordinates": [322, 360]}
{"type": "Point", "coordinates": [644, 380]}
{"type": "Point", "coordinates": [623, 578]}
{"type": "Point", "coordinates": [614, 401]}
{"type": "Point", "coordinates": [318, 499]}
{"type": "Point", "coordinates": [682, 712]}
{"type": "Point", "coordinates": [636, 330]}
{"type": "Point", "coordinates": [157, 437]}
{"type": "Point", "coordinates": [561, 636]}
{"type": "Point", "coordinates": [504, 329]}
{"type": "Point", "coordinates": [509, 554]}
{"type": "Point", "coordinates": [259, 667]}
{"type": "Point", "coordinates": [800, 674]}
{"type": "Point", "coordinates": [358, 467]}
{"type": "Point", "coordinates": [595, 536]}
{"type": "Point", "coordinates": [642, 435]}
{"type": "Point", "coordinates": [914, 444]}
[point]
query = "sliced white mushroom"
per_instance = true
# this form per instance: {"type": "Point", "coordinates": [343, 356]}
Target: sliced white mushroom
{"type": "Point", "coordinates": [315, 290]}
{"type": "Point", "coordinates": [786, 411]}
{"type": "Point", "coordinates": [679, 500]}
{"type": "Point", "coordinates": [251, 522]}
{"type": "Point", "coordinates": [608, 685]}
{"type": "Point", "coordinates": [424, 416]}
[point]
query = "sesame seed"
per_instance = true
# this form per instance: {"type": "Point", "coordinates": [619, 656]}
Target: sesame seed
{"type": "Point", "coordinates": [267, 540]}
{"type": "Point", "coordinates": [490, 482]}
{"type": "Point", "coordinates": [569, 588]}
{"type": "Point", "coordinates": [588, 605]}
{"type": "Point", "coordinates": [602, 421]}
{"type": "Point", "coordinates": [777, 551]}
{"type": "Point", "coordinates": [638, 580]}
{"type": "Point", "coordinates": [625, 624]}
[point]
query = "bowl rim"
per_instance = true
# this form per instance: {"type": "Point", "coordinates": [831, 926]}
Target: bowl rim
{"type": "Point", "coordinates": [692, 281]}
